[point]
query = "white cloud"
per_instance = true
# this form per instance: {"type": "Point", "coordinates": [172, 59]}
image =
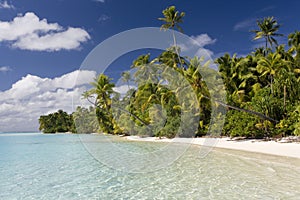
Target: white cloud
{"type": "Point", "coordinates": [123, 89]}
{"type": "Point", "coordinates": [202, 40]}
{"type": "Point", "coordinates": [103, 18]}
{"type": "Point", "coordinates": [6, 5]}
{"type": "Point", "coordinates": [5, 69]}
{"type": "Point", "coordinates": [198, 41]}
{"type": "Point", "coordinates": [31, 33]}
{"type": "Point", "coordinates": [101, 1]}
{"type": "Point", "coordinates": [32, 96]}
{"type": "Point", "coordinates": [244, 25]}
{"type": "Point", "coordinates": [197, 46]}
{"type": "Point", "coordinates": [266, 9]}
{"type": "Point", "coordinates": [206, 53]}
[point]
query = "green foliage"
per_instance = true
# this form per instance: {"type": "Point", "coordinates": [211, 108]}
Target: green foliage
{"type": "Point", "coordinates": [291, 124]}
{"type": "Point", "coordinates": [86, 120]}
{"type": "Point", "coordinates": [172, 18]}
{"type": "Point", "coordinates": [241, 124]}
{"type": "Point", "coordinates": [103, 91]}
{"type": "Point", "coordinates": [267, 30]}
{"type": "Point", "coordinates": [57, 122]}
{"type": "Point", "coordinates": [262, 91]}
{"type": "Point", "coordinates": [268, 104]}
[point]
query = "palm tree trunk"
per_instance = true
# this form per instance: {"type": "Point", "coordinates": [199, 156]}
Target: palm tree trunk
{"type": "Point", "coordinates": [284, 98]}
{"type": "Point", "coordinates": [175, 44]}
{"type": "Point", "coordinates": [105, 103]}
{"type": "Point", "coordinates": [131, 114]}
{"type": "Point", "coordinates": [262, 116]}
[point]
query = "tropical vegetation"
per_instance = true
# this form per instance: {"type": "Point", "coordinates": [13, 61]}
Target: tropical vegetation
{"type": "Point", "coordinates": [262, 92]}
{"type": "Point", "coordinates": [57, 122]}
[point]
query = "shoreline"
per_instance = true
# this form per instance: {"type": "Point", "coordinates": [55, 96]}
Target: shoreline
{"type": "Point", "coordinates": [291, 150]}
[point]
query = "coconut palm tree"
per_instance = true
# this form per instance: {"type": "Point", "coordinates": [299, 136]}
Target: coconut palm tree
{"type": "Point", "coordinates": [171, 59]}
{"type": "Point", "coordinates": [294, 43]}
{"type": "Point", "coordinates": [269, 67]}
{"type": "Point", "coordinates": [294, 39]}
{"type": "Point", "coordinates": [172, 19]}
{"type": "Point", "coordinates": [267, 30]}
{"type": "Point", "coordinates": [126, 77]}
{"type": "Point", "coordinates": [103, 89]}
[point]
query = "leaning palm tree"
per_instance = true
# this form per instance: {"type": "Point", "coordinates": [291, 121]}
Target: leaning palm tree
{"type": "Point", "coordinates": [267, 30]}
{"type": "Point", "coordinates": [103, 89]}
{"type": "Point", "coordinates": [172, 19]}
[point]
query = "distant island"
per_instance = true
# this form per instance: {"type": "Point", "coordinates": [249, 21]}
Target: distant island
{"type": "Point", "coordinates": [262, 92]}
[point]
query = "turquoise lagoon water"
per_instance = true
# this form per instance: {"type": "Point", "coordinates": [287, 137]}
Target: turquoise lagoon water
{"type": "Point", "coordinates": [36, 166]}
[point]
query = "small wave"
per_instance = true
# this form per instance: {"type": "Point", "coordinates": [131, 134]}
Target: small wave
{"type": "Point", "coordinates": [18, 134]}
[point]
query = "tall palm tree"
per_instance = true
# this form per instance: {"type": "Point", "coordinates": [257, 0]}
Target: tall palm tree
{"type": "Point", "coordinates": [267, 30]}
{"type": "Point", "coordinates": [171, 59]}
{"type": "Point", "coordinates": [172, 19]}
{"type": "Point", "coordinates": [89, 96]}
{"type": "Point", "coordinates": [228, 71]}
{"type": "Point", "coordinates": [270, 66]}
{"type": "Point", "coordinates": [102, 91]}
{"type": "Point", "coordinates": [126, 77]}
{"type": "Point", "coordinates": [294, 43]}
{"type": "Point", "coordinates": [103, 88]}
{"type": "Point", "coordinates": [232, 72]}
{"type": "Point", "coordinates": [294, 39]}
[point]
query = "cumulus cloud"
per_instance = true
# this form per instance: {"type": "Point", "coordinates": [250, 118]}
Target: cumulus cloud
{"type": "Point", "coordinates": [202, 40]}
{"type": "Point", "coordinates": [32, 96]}
{"type": "Point", "coordinates": [5, 69]}
{"type": "Point", "coordinates": [197, 46]}
{"type": "Point", "coordinates": [32, 33]}
{"type": "Point", "coordinates": [123, 89]}
{"type": "Point", "coordinates": [101, 1]}
{"type": "Point", "coordinates": [6, 5]}
{"type": "Point", "coordinates": [206, 53]}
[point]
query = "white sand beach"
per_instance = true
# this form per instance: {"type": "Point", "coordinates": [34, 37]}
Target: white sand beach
{"type": "Point", "coordinates": [257, 146]}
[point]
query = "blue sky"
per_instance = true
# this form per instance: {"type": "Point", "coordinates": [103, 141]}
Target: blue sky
{"type": "Point", "coordinates": [44, 41]}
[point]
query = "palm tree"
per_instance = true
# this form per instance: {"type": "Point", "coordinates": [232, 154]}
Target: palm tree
{"type": "Point", "coordinates": [172, 19]}
{"type": "Point", "coordinates": [235, 78]}
{"type": "Point", "coordinates": [228, 71]}
{"type": "Point", "coordinates": [294, 39]}
{"type": "Point", "coordinates": [103, 88]}
{"type": "Point", "coordinates": [269, 67]}
{"type": "Point", "coordinates": [267, 30]}
{"type": "Point", "coordinates": [141, 60]}
{"type": "Point", "coordinates": [146, 69]}
{"type": "Point", "coordinates": [126, 77]}
{"type": "Point", "coordinates": [171, 59]}
{"type": "Point", "coordinates": [294, 43]}
{"type": "Point", "coordinates": [88, 95]}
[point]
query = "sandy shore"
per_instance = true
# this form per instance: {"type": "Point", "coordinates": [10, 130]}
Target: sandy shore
{"type": "Point", "coordinates": [258, 146]}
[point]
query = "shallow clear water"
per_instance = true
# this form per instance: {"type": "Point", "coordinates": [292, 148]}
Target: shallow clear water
{"type": "Point", "coordinates": [36, 166]}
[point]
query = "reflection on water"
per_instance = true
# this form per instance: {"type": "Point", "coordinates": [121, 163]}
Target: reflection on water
{"type": "Point", "coordinates": [59, 167]}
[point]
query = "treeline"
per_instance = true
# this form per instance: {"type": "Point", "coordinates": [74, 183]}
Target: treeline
{"type": "Point", "coordinates": [262, 92]}
{"type": "Point", "coordinates": [83, 120]}
{"type": "Point", "coordinates": [58, 122]}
